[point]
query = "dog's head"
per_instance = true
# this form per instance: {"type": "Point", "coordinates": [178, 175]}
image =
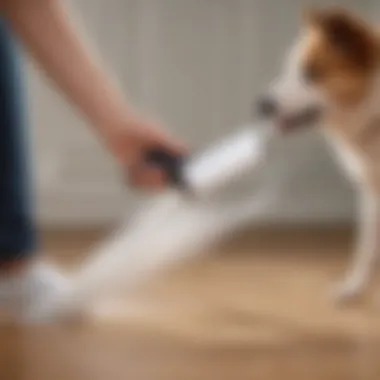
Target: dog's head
{"type": "Point", "coordinates": [331, 66]}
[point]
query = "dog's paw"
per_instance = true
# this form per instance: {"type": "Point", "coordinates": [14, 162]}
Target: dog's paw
{"type": "Point", "coordinates": [347, 291]}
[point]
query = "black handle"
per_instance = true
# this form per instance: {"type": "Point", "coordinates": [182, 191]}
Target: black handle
{"type": "Point", "coordinates": [172, 165]}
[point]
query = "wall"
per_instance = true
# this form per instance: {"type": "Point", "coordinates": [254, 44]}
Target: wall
{"type": "Point", "coordinates": [197, 65]}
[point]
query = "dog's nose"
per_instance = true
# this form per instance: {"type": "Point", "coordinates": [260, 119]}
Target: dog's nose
{"type": "Point", "coordinates": [266, 107]}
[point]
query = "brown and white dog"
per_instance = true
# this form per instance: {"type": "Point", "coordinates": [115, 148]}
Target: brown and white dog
{"type": "Point", "coordinates": [332, 77]}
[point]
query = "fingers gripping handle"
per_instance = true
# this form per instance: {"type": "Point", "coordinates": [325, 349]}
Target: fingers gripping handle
{"type": "Point", "coordinates": [170, 163]}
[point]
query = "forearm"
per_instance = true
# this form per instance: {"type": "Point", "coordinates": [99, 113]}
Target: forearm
{"type": "Point", "coordinates": [46, 28]}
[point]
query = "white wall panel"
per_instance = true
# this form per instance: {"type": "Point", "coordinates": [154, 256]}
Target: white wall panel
{"type": "Point", "coordinates": [197, 65]}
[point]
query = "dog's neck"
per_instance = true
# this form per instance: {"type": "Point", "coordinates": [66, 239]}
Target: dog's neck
{"type": "Point", "coordinates": [350, 121]}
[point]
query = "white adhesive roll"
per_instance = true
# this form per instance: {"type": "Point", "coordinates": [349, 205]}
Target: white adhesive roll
{"type": "Point", "coordinates": [228, 160]}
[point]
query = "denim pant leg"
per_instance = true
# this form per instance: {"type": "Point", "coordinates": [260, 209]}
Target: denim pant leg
{"type": "Point", "coordinates": [17, 227]}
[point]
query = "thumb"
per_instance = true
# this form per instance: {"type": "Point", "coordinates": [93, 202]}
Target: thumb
{"type": "Point", "coordinates": [165, 141]}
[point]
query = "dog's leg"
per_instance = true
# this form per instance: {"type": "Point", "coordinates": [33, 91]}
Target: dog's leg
{"type": "Point", "coordinates": [367, 247]}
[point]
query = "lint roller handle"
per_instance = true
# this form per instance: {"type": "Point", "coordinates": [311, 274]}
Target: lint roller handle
{"type": "Point", "coordinates": [171, 164]}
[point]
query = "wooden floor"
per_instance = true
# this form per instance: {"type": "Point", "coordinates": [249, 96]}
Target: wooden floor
{"type": "Point", "coordinates": [258, 308]}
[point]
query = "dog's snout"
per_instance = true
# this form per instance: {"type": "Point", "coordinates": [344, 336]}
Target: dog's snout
{"type": "Point", "coordinates": [311, 115]}
{"type": "Point", "coordinates": [266, 107]}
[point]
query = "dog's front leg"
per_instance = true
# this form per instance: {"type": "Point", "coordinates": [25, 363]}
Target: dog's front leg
{"type": "Point", "coordinates": [367, 247]}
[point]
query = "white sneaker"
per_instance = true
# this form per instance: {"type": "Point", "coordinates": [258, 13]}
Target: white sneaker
{"type": "Point", "coordinates": [34, 296]}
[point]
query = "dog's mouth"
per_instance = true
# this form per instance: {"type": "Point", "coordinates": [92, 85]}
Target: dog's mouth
{"type": "Point", "coordinates": [303, 119]}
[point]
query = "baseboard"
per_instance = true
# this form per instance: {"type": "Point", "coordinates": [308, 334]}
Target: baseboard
{"type": "Point", "coordinates": [315, 230]}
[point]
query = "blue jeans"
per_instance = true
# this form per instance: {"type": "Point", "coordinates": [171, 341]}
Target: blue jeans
{"type": "Point", "coordinates": [17, 227]}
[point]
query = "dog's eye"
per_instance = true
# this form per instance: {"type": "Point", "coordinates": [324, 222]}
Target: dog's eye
{"type": "Point", "coordinates": [313, 73]}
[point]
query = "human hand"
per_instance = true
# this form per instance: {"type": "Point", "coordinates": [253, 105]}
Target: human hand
{"type": "Point", "coordinates": [132, 140]}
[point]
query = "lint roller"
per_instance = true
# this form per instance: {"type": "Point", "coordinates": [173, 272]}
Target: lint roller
{"type": "Point", "coordinates": [205, 173]}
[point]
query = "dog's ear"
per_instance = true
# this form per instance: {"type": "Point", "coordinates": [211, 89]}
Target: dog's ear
{"type": "Point", "coordinates": [347, 33]}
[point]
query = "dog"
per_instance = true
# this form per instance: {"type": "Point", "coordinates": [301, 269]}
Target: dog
{"type": "Point", "coordinates": [331, 77]}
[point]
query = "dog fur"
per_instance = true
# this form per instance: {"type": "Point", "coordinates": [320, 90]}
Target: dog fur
{"type": "Point", "coordinates": [335, 65]}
